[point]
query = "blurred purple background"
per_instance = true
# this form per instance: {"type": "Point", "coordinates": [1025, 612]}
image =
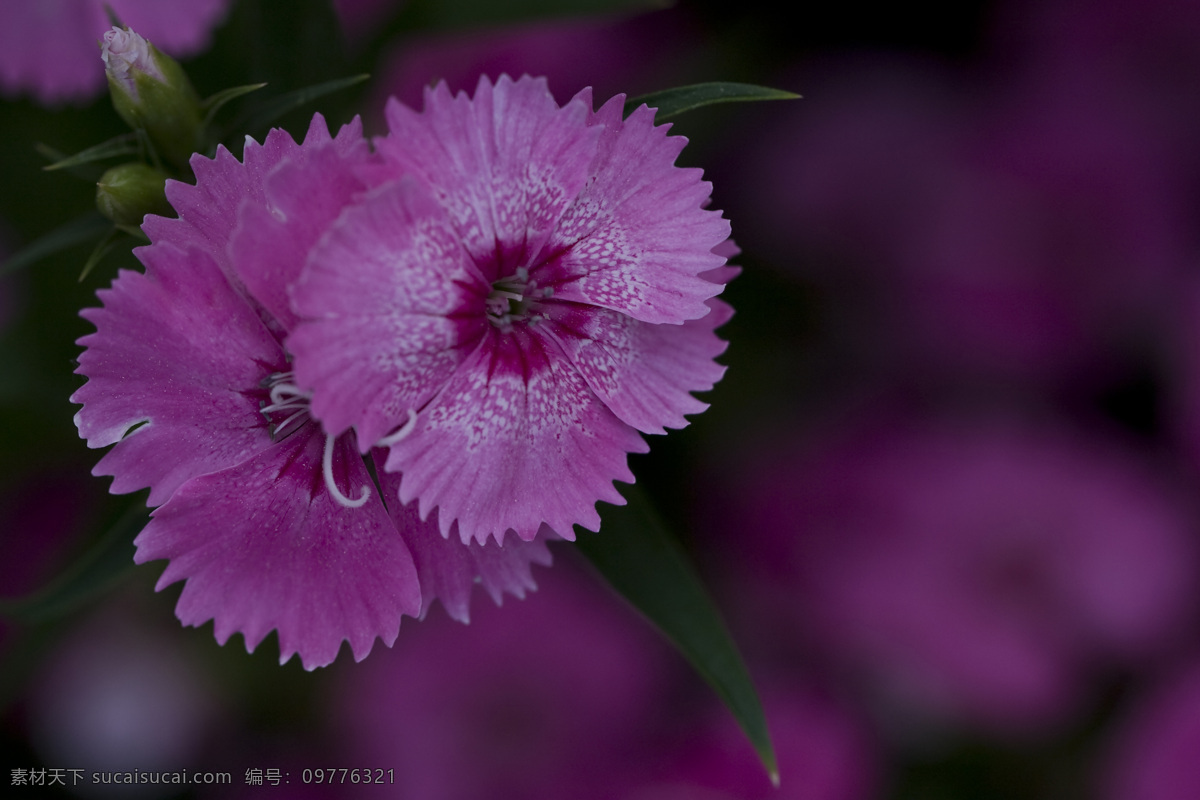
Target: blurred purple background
{"type": "Point", "coordinates": [946, 494]}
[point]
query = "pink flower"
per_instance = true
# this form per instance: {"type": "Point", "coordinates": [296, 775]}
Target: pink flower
{"type": "Point", "coordinates": [506, 300]}
{"type": "Point", "coordinates": [976, 575]}
{"type": "Point", "coordinates": [49, 47]}
{"type": "Point", "coordinates": [272, 523]}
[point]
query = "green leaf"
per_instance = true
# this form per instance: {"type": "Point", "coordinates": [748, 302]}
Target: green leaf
{"type": "Point", "coordinates": [88, 173]}
{"type": "Point", "coordinates": [96, 571]}
{"type": "Point", "coordinates": [98, 252]}
{"type": "Point", "coordinates": [647, 566]}
{"type": "Point", "coordinates": [672, 102]}
{"type": "Point", "coordinates": [277, 107]}
{"type": "Point", "coordinates": [81, 229]}
{"type": "Point", "coordinates": [213, 104]}
{"type": "Point", "coordinates": [123, 145]}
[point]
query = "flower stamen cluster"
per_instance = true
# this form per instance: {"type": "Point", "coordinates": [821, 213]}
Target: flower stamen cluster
{"type": "Point", "coordinates": [286, 398]}
{"type": "Point", "coordinates": [515, 299]}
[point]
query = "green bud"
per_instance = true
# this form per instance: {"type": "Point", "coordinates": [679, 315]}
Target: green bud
{"type": "Point", "coordinates": [127, 193]}
{"type": "Point", "coordinates": [150, 91]}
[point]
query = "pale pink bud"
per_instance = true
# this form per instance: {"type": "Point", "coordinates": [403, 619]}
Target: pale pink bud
{"type": "Point", "coordinates": [125, 53]}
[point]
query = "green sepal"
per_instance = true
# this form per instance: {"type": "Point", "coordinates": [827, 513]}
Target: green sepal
{"type": "Point", "coordinates": [672, 102]}
{"type": "Point", "coordinates": [648, 567]}
{"type": "Point", "coordinates": [167, 110]}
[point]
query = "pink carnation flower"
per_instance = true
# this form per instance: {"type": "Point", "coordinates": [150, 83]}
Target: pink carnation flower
{"type": "Point", "coordinates": [506, 300]}
{"type": "Point", "coordinates": [49, 47]}
{"type": "Point", "coordinates": [272, 523]}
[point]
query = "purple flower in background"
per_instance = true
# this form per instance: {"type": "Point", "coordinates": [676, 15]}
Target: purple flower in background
{"type": "Point", "coordinates": [523, 289]}
{"type": "Point", "coordinates": [116, 695]}
{"type": "Point", "coordinates": [48, 48]}
{"type": "Point", "coordinates": [273, 523]}
{"type": "Point", "coordinates": [557, 698]}
{"type": "Point", "coordinates": [1156, 749]}
{"type": "Point", "coordinates": [362, 18]}
{"type": "Point", "coordinates": [1017, 236]}
{"type": "Point", "coordinates": [610, 54]}
{"type": "Point", "coordinates": [824, 753]}
{"type": "Point", "coordinates": [982, 575]}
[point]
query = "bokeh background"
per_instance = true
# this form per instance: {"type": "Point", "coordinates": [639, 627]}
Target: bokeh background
{"type": "Point", "coordinates": [946, 495]}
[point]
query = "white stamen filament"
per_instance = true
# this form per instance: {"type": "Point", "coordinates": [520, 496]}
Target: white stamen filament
{"type": "Point", "coordinates": [278, 430]}
{"type": "Point", "coordinates": [404, 431]}
{"type": "Point", "coordinates": [327, 470]}
{"type": "Point", "coordinates": [283, 394]}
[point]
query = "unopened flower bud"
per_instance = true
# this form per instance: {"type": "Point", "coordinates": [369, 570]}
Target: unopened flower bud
{"type": "Point", "coordinates": [127, 193]}
{"type": "Point", "coordinates": [151, 91]}
{"type": "Point", "coordinates": [125, 54]}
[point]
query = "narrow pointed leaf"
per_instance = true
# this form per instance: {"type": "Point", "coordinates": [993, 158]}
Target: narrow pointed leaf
{"type": "Point", "coordinates": [97, 570]}
{"type": "Point", "coordinates": [98, 252]}
{"type": "Point", "coordinates": [123, 145]}
{"type": "Point", "coordinates": [84, 172]}
{"type": "Point", "coordinates": [672, 102]}
{"type": "Point", "coordinates": [277, 107]}
{"type": "Point", "coordinates": [647, 566]}
{"type": "Point", "coordinates": [213, 104]}
{"type": "Point", "coordinates": [82, 229]}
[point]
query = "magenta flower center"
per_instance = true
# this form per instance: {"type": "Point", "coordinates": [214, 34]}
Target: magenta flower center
{"type": "Point", "coordinates": [516, 299]}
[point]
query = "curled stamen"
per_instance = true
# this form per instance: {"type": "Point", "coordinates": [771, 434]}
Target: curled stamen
{"type": "Point", "coordinates": [404, 431]}
{"type": "Point", "coordinates": [287, 399]}
{"type": "Point", "coordinates": [327, 470]}
{"type": "Point", "coordinates": [285, 393]}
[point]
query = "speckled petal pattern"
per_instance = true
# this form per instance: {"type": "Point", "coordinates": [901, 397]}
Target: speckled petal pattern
{"type": "Point", "coordinates": [515, 439]}
{"type": "Point", "coordinates": [644, 373]}
{"type": "Point", "coordinates": [505, 164]}
{"type": "Point", "coordinates": [638, 237]}
{"type": "Point", "coordinates": [382, 294]}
